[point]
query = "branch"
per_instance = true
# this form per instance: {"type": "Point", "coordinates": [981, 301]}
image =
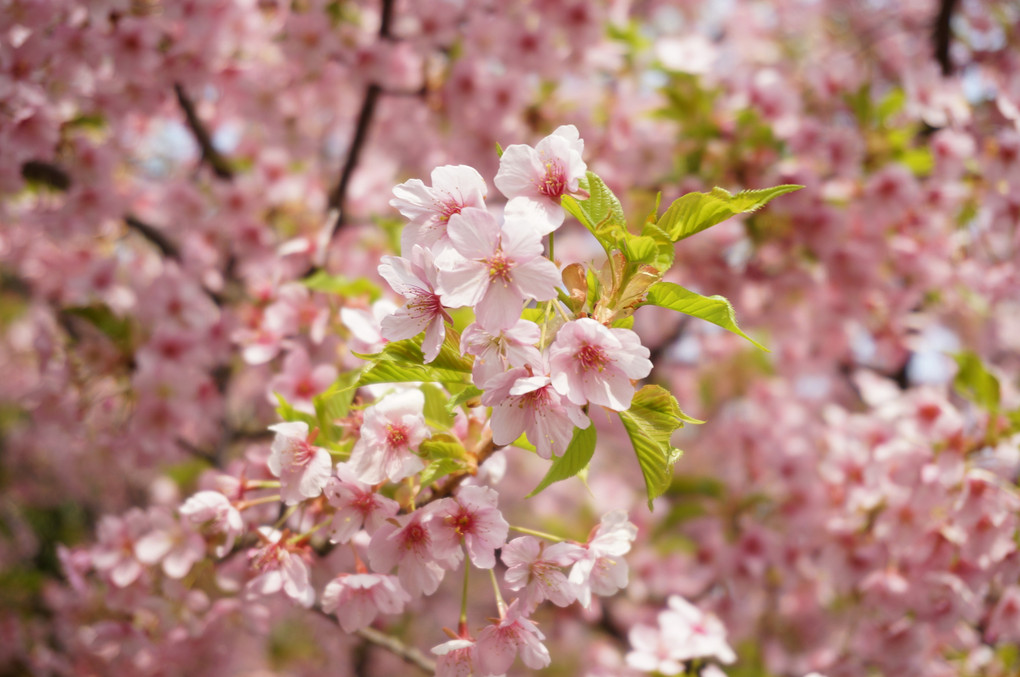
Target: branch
{"type": "Point", "coordinates": [210, 155]}
{"type": "Point", "coordinates": [338, 196]}
{"type": "Point", "coordinates": [46, 173]}
{"type": "Point", "coordinates": [408, 653]}
{"type": "Point", "coordinates": [153, 235]}
{"type": "Point", "coordinates": [943, 35]}
{"type": "Point", "coordinates": [395, 646]}
{"type": "Point", "coordinates": [485, 449]}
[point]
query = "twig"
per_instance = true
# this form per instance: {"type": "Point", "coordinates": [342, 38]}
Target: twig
{"type": "Point", "coordinates": [485, 449]}
{"type": "Point", "coordinates": [210, 155]}
{"type": "Point", "coordinates": [395, 646]}
{"type": "Point", "coordinates": [408, 653]}
{"type": "Point", "coordinates": [153, 235]}
{"type": "Point", "coordinates": [338, 196]}
{"type": "Point", "coordinates": [46, 173]}
{"type": "Point", "coordinates": [943, 35]}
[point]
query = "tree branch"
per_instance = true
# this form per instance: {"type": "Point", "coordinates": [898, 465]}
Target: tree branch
{"type": "Point", "coordinates": [169, 249]}
{"type": "Point", "coordinates": [943, 35]}
{"type": "Point", "coordinates": [210, 155]}
{"type": "Point", "coordinates": [338, 196]}
{"type": "Point", "coordinates": [408, 653]}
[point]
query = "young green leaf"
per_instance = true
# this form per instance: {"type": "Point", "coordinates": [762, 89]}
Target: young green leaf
{"type": "Point", "coordinates": [440, 468]}
{"type": "Point", "coordinates": [714, 309]}
{"type": "Point", "coordinates": [653, 416]}
{"type": "Point", "coordinates": [695, 212]}
{"type": "Point", "coordinates": [403, 361]}
{"type": "Point", "coordinates": [436, 413]}
{"type": "Point", "coordinates": [340, 285]}
{"type": "Point", "coordinates": [975, 382]}
{"type": "Point", "coordinates": [573, 461]}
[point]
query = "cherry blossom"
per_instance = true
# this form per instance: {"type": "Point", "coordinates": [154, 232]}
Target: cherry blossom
{"type": "Point", "coordinates": [390, 434]}
{"type": "Point", "coordinates": [495, 352]}
{"type": "Point", "coordinates": [592, 363]}
{"type": "Point", "coordinates": [407, 542]}
{"type": "Point", "coordinates": [415, 279]}
{"type": "Point", "coordinates": [494, 269]}
{"type": "Point", "coordinates": [277, 566]}
{"type": "Point", "coordinates": [499, 643]}
{"type": "Point", "coordinates": [470, 517]}
{"type": "Point", "coordinates": [545, 173]}
{"type": "Point", "coordinates": [600, 568]}
{"type": "Point", "coordinates": [523, 402]}
{"type": "Point", "coordinates": [303, 469]}
{"type": "Point", "coordinates": [357, 599]}
{"type": "Point", "coordinates": [537, 568]}
{"type": "Point", "coordinates": [212, 513]}
{"type": "Point", "coordinates": [357, 506]}
{"type": "Point", "coordinates": [454, 187]}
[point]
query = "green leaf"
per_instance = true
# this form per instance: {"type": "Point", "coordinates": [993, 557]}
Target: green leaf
{"type": "Point", "coordinates": [436, 412]}
{"type": "Point", "coordinates": [288, 413]}
{"type": "Point", "coordinates": [601, 213]}
{"type": "Point", "coordinates": [653, 416]}
{"type": "Point", "coordinates": [499, 150]}
{"type": "Point", "coordinates": [403, 361]}
{"type": "Point", "coordinates": [466, 395]}
{"type": "Point", "coordinates": [336, 401]}
{"type": "Point", "coordinates": [662, 257]}
{"type": "Point", "coordinates": [442, 445]}
{"type": "Point", "coordinates": [440, 468]}
{"type": "Point", "coordinates": [117, 329]}
{"type": "Point", "coordinates": [340, 285]}
{"type": "Point", "coordinates": [573, 461]}
{"type": "Point", "coordinates": [975, 382]}
{"type": "Point", "coordinates": [714, 309]}
{"type": "Point", "coordinates": [696, 212]}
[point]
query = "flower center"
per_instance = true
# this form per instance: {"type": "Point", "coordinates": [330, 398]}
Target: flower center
{"type": "Point", "coordinates": [592, 357]}
{"type": "Point", "coordinates": [555, 181]}
{"type": "Point", "coordinates": [396, 435]}
{"type": "Point", "coordinates": [499, 267]}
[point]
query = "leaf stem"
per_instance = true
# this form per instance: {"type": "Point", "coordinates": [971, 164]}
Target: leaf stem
{"type": "Point", "coordinates": [539, 534]}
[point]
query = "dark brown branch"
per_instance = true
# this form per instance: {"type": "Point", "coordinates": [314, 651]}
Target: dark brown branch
{"type": "Point", "coordinates": [210, 155]}
{"type": "Point", "coordinates": [46, 173]}
{"type": "Point", "coordinates": [338, 197]}
{"type": "Point", "coordinates": [153, 235]}
{"type": "Point", "coordinates": [943, 35]}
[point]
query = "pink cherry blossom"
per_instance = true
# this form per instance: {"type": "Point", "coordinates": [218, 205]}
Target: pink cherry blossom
{"type": "Point", "coordinates": [471, 515]}
{"type": "Point", "coordinates": [496, 351]}
{"type": "Point", "coordinates": [357, 506]}
{"type": "Point", "coordinates": [695, 634]}
{"type": "Point", "coordinates": [303, 469]}
{"type": "Point", "coordinates": [175, 544]}
{"type": "Point", "coordinates": [493, 269]}
{"type": "Point", "coordinates": [357, 599]}
{"type": "Point", "coordinates": [279, 566]}
{"type": "Point", "coordinates": [214, 515]}
{"type": "Point", "coordinates": [499, 643]}
{"type": "Point", "coordinates": [114, 554]}
{"type": "Point", "coordinates": [545, 173]}
{"type": "Point", "coordinates": [391, 432]}
{"type": "Point", "coordinates": [600, 568]}
{"type": "Point", "coordinates": [538, 569]}
{"type": "Point", "coordinates": [523, 402]}
{"type": "Point", "coordinates": [456, 658]}
{"type": "Point", "coordinates": [454, 187]}
{"type": "Point", "coordinates": [406, 542]}
{"type": "Point", "coordinates": [299, 382]}
{"type": "Point", "coordinates": [592, 363]}
{"type": "Point", "coordinates": [415, 279]}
